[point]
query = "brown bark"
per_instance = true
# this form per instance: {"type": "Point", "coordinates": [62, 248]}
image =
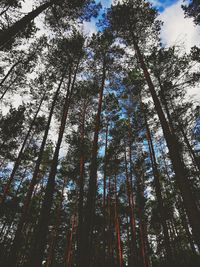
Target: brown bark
{"type": "Point", "coordinates": [27, 201]}
{"type": "Point", "coordinates": [18, 160]}
{"type": "Point", "coordinates": [104, 194]}
{"type": "Point", "coordinates": [17, 27]}
{"type": "Point", "coordinates": [81, 187]}
{"type": "Point", "coordinates": [52, 245]}
{"type": "Point", "coordinates": [90, 204]}
{"type": "Point", "coordinates": [142, 239]}
{"type": "Point", "coordinates": [131, 205]}
{"type": "Point", "coordinates": [158, 187]}
{"type": "Point", "coordinates": [175, 155]}
{"type": "Point", "coordinates": [68, 256]}
{"type": "Point", "coordinates": [191, 151]}
{"type": "Point", "coordinates": [110, 261]}
{"type": "Point", "coordinates": [180, 127]}
{"type": "Point", "coordinates": [42, 227]}
{"type": "Point", "coordinates": [117, 227]}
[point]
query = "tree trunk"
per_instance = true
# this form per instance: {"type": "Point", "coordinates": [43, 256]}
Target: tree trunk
{"type": "Point", "coordinates": [20, 25]}
{"type": "Point", "coordinates": [158, 188]}
{"type": "Point", "coordinates": [117, 227]}
{"type": "Point", "coordinates": [131, 215]}
{"type": "Point", "coordinates": [17, 240]}
{"type": "Point", "coordinates": [68, 256]}
{"type": "Point", "coordinates": [104, 195]}
{"type": "Point", "coordinates": [192, 153]}
{"type": "Point", "coordinates": [55, 231]}
{"type": "Point", "coordinates": [174, 152]}
{"type": "Point", "coordinates": [90, 204]}
{"type": "Point", "coordinates": [18, 160]}
{"type": "Point", "coordinates": [8, 73]}
{"type": "Point", "coordinates": [81, 189]}
{"type": "Point", "coordinates": [8, 87]}
{"type": "Point", "coordinates": [142, 239]}
{"type": "Point", "coordinates": [42, 227]}
{"type": "Point", "coordinates": [180, 127]}
{"type": "Point", "coordinates": [110, 262]}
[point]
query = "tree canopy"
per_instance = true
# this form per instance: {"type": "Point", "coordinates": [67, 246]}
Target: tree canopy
{"type": "Point", "coordinates": [99, 138]}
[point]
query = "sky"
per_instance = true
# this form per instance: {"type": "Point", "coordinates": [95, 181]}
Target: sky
{"type": "Point", "coordinates": [176, 28]}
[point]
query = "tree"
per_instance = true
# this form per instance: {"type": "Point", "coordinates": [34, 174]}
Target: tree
{"type": "Point", "coordinates": [122, 27]}
{"type": "Point", "coordinates": [192, 10]}
{"type": "Point", "coordinates": [75, 53]}
{"type": "Point", "coordinates": [71, 10]}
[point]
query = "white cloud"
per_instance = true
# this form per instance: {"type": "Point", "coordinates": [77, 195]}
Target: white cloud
{"type": "Point", "coordinates": [178, 29]}
{"type": "Point", "coordinates": [89, 27]}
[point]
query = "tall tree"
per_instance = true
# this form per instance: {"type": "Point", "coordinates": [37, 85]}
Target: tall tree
{"type": "Point", "coordinates": [129, 27]}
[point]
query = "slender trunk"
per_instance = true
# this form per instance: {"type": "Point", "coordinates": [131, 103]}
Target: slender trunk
{"type": "Point", "coordinates": [81, 189]}
{"type": "Point", "coordinates": [21, 180]}
{"type": "Point", "coordinates": [8, 87]}
{"type": "Point", "coordinates": [190, 239]}
{"type": "Point", "coordinates": [104, 195]}
{"type": "Point", "coordinates": [68, 256]}
{"type": "Point", "coordinates": [128, 243]}
{"type": "Point", "coordinates": [20, 25]}
{"type": "Point", "coordinates": [117, 228]}
{"type": "Point", "coordinates": [18, 160]}
{"type": "Point", "coordinates": [141, 206]}
{"type": "Point", "coordinates": [131, 214]}
{"type": "Point", "coordinates": [180, 127]}
{"type": "Point", "coordinates": [111, 262]}
{"type": "Point", "coordinates": [185, 225]}
{"type": "Point", "coordinates": [55, 231]}
{"type": "Point", "coordinates": [4, 11]}
{"type": "Point", "coordinates": [192, 153]}
{"type": "Point", "coordinates": [17, 240]}
{"type": "Point", "coordinates": [8, 73]}
{"type": "Point", "coordinates": [158, 187]}
{"type": "Point", "coordinates": [3, 227]}
{"type": "Point", "coordinates": [172, 129]}
{"type": "Point", "coordinates": [25, 209]}
{"type": "Point", "coordinates": [42, 227]}
{"type": "Point", "coordinates": [90, 204]}
{"type": "Point", "coordinates": [142, 238]}
{"type": "Point", "coordinates": [174, 152]}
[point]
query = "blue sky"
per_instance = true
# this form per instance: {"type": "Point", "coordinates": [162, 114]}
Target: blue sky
{"type": "Point", "coordinates": [160, 4]}
{"type": "Point", "coordinates": [176, 29]}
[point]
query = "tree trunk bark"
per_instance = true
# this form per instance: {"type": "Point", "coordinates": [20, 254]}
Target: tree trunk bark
{"type": "Point", "coordinates": [68, 256]}
{"type": "Point", "coordinates": [42, 227]}
{"type": "Point", "coordinates": [90, 204]}
{"type": "Point", "coordinates": [158, 188]}
{"type": "Point", "coordinates": [104, 195]}
{"type": "Point", "coordinates": [174, 152]}
{"type": "Point", "coordinates": [17, 27]}
{"type": "Point", "coordinates": [131, 215]}
{"type": "Point", "coordinates": [8, 73]}
{"type": "Point", "coordinates": [17, 240]}
{"type": "Point", "coordinates": [18, 160]}
{"type": "Point", "coordinates": [55, 231]}
{"type": "Point", "coordinates": [142, 239]}
{"type": "Point", "coordinates": [117, 227]}
{"type": "Point", "coordinates": [81, 188]}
